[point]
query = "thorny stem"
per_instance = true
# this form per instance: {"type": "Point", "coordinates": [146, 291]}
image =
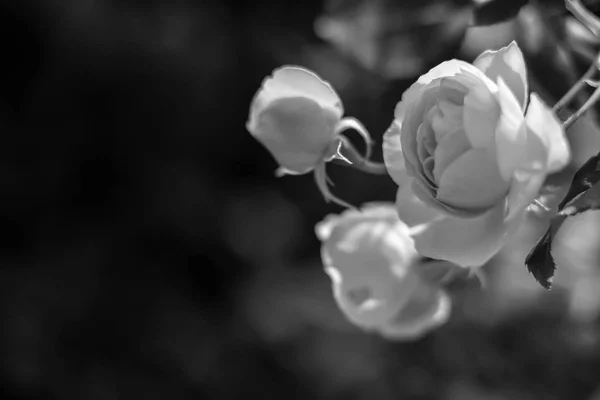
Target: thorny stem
{"type": "Point", "coordinates": [353, 123]}
{"type": "Point", "coordinates": [358, 161]}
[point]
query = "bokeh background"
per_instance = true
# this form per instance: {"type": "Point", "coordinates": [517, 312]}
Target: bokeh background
{"type": "Point", "coordinates": [149, 251]}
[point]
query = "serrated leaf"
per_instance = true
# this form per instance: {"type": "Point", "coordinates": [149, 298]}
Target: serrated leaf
{"type": "Point", "coordinates": [539, 261]}
{"type": "Point", "coordinates": [586, 177]}
{"type": "Point", "coordinates": [583, 195]}
{"type": "Point", "coordinates": [495, 11]}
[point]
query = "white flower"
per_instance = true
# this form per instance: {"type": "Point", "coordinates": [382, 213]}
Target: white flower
{"type": "Point", "coordinates": [475, 154]}
{"type": "Point", "coordinates": [374, 268]}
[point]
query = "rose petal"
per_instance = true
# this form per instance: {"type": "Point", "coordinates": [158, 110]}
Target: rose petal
{"type": "Point", "coordinates": [547, 151]}
{"type": "Point", "coordinates": [448, 150]}
{"type": "Point", "coordinates": [409, 128]}
{"type": "Point", "coordinates": [446, 117]}
{"type": "Point", "coordinates": [509, 64]}
{"type": "Point", "coordinates": [453, 90]}
{"type": "Point", "coordinates": [511, 133]}
{"type": "Point", "coordinates": [297, 132]}
{"type": "Point", "coordinates": [412, 211]}
{"type": "Point", "coordinates": [425, 142]}
{"type": "Point", "coordinates": [429, 142]}
{"type": "Point", "coordinates": [292, 81]}
{"type": "Point", "coordinates": [465, 242]}
{"type": "Point", "coordinates": [469, 242]}
{"type": "Point", "coordinates": [428, 196]}
{"type": "Point", "coordinates": [393, 157]}
{"type": "Point", "coordinates": [480, 116]}
{"type": "Point", "coordinates": [442, 71]}
{"type": "Point", "coordinates": [472, 182]}
{"type": "Point", "coordinates": [428, 308]}
{"type": "Point", "coordinates": [361, 303]}
{"type": "Point", "coordinates": [369, 257]}
{"type": "Point", "coordinates": [543, 123]}
{"type": "Point", "coordinates": [473, 77]}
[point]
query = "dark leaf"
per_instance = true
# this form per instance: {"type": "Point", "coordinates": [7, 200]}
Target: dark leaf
{"type": "Point", "coordinates": [539, 261]}
{"type": "Point", "coordinates": [588, 200]}
{"type": "Point", "coordinates": [583, 195]}
{"type": "Point", "coordinates": [495, 11]}
{"type": "Point", "coordinates": [586, 177]}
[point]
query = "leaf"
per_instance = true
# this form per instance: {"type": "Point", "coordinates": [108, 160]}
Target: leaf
{"type": "Point", "coordinates": [540, 262]}
{"type": "Point", "coordinates": [588, 200]}
{"type": "Point", "coordinates": [586, 177]}
{"type": "Point", "coordinates": [491, 12]}
{"type": "Point", "coordinates": [583, 195]}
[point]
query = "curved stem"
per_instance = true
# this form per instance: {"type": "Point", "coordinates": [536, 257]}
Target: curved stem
{"type": "Point", "coordinates": [322, 181]}
{"type": "Point", "coordinates": [592, 22]}
{"type": "Point", "coordinates": [580, 12]}
{"type": "Point", "coordinates": [358, 161]}
{"type": "Point", "coordinates": [353, 123]}
{"type": "Point", "coordinates": [586, 106]}
{"type": "Point", "coordinates": [576, 88]}
{"type": "Point", "coordinates": [539, 203]}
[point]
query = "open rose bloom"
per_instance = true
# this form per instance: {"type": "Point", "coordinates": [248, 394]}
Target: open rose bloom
{"type": "Point", "coordinates": [470, 151]}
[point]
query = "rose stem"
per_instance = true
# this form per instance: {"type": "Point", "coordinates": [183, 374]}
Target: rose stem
{"type": "Point", "coordinates": [358, 161]}
{"type": "Point", "coordinates": [583, 15]}
{"type": "Point", "coordinates": [586, 106]}
{"type": "Point", "coordinates": [575, 88]}
{"type": "Point", "coordinates": [541, 205]}
{"type": "Point", "coordinates": [353, 123]}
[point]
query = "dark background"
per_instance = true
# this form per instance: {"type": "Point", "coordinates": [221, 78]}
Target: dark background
{"type": "Point", "coordinates": [149, 251]}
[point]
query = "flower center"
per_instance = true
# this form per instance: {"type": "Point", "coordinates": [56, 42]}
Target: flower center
{"type": "Point", "coordinates": [446, 118]}
{"type": "Point", "coordinates": [440, 139]}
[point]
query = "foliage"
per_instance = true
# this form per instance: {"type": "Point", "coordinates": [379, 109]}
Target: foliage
{"type": "Point", "coordinates": [583, 195]}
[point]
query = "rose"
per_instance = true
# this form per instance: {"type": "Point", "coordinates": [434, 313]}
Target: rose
{"type": "Point", "coordinates": [471, 155]}
{"type": "Point", "coordinates": [297, 116]}
{"type": "Point", "coordinates": [294, 115]}
{"type": "Point", "coordinates": [375, 273]}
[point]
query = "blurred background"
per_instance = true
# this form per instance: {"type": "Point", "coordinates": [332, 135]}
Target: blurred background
{"type": "Point", "coordinates": [150, 252]}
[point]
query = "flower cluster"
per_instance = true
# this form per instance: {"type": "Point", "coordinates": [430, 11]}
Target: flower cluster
{"type": "Point", "coordinates": [469, 148]}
